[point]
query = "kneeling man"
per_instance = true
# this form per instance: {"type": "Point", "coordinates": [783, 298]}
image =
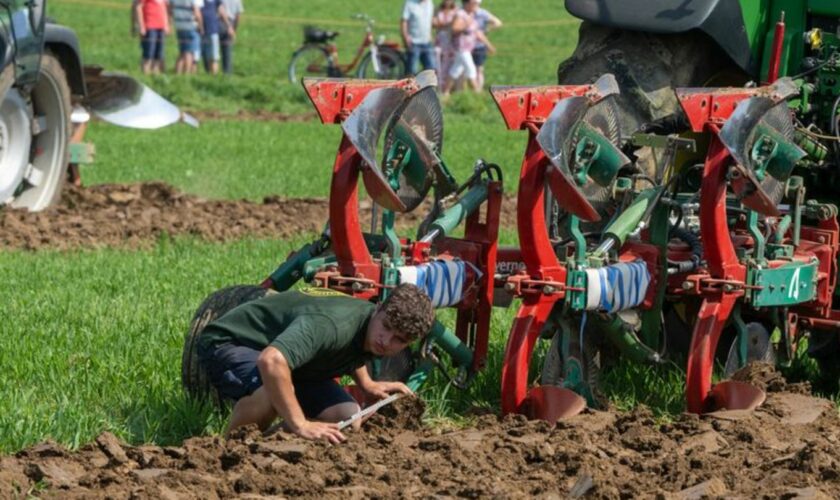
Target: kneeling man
{"type": "Point", "coordinates": [280, 355]}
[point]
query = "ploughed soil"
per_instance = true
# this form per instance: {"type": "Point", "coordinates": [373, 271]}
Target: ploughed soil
{"type": "Point", "coordinates": [136, 215]}
{"type": "Point", "coordinates": [788, 448]}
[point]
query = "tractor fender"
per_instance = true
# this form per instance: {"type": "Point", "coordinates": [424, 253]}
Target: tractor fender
{"type": "Point", "coordinates": [64, 44]}
{"type": "Point", "coordinates": [721, 20]}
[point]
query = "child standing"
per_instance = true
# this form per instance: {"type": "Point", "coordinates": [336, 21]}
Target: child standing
{"type": "Point", "coordinates": [152, 22]}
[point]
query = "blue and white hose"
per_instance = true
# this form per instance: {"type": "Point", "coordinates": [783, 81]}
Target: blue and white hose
{"type": "Point", "coordinates": [442, 280]}
{"type": "Point", "coordinates": [617, 287]}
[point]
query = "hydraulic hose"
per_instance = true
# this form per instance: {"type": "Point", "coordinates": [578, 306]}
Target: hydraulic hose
{"type": "Point", "coordinates": [693, 241]}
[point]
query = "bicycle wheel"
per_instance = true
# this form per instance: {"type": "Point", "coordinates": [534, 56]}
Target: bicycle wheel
{"type": "Point", "coordinates": [310, 60]}
{"type": "Point", "coordinates": [391, 65]}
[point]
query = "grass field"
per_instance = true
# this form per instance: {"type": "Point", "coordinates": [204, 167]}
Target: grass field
{"type": "Point", "coordinates": [91, 340]}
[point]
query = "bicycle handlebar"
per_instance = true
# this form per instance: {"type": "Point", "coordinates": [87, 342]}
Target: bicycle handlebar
{"type": "Point", "coordinates": [369, 21]}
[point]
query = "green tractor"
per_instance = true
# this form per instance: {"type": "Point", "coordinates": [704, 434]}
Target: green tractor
{"type": "Point", "coordinates": [47, 97]}
{"type": "Point", "coordinates": [654, 47]}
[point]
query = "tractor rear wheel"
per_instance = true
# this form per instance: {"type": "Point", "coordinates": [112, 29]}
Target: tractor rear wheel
{"type": "Point", "coordinates": [34, 137]}
{"type": "Point", "coordinates": [193, 375]}
{"type": "Point", "coordinates": [648, 67]}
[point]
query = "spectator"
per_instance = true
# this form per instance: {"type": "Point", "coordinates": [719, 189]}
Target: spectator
{"type": "Point", "coordinates": [444, 49]}
{"type": "Point", "coordinates": [152, 23]}
{"type": "Point", "coordinates": [466, 33]}
{"type": "Point", "coordinates": [416, 29]}
{"type": "Point", "coordinates": [234, 10]}
{"type": "Point", "coordinates": [186, 15]}
{"type": "Point", "coordinates": [486, 23]}
{"type": "Point", "coordinates": [213, 14]}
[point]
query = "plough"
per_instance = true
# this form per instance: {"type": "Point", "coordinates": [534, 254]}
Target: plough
{"type": "Point", "coordinates": [716, 237]}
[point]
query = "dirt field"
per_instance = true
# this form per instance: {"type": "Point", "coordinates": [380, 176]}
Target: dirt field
{"type": "Point", "coordinates": [788, 448]}
{"type": "Point", "coordinates": [135, 215]}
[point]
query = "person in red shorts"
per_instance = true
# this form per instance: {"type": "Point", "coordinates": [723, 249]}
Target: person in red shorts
{"type": "Point", "coordinates": [151, 20]}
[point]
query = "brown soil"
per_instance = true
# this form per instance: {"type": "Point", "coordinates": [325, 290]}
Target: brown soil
{"type": "Point", "coordinates": [596, 454]}
{"type": "Point", "coordinates": [136, 215]}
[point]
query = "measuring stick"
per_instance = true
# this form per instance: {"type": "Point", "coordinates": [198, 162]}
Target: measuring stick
{"type": "Point", "coordinates": [369, 410]}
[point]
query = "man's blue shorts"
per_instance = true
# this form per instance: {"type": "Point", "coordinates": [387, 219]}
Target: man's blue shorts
{"type": "Point", "coordinates": [233, 371]}
{"type": "Point", "coordinates": [152, 45]}
{"type": "Point", "coordinates": [189, 41]}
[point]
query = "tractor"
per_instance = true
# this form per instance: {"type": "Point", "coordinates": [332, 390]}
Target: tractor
{"type": "Point", "coordinates": [727, 116]}
{"type": "Point", "coordinates": [46, 97]}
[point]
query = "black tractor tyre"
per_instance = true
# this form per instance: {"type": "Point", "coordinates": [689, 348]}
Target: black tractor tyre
{"type": "Point", "coordinates": [648, 67]}
{"type": "Point", "coordinates": [193, 375]}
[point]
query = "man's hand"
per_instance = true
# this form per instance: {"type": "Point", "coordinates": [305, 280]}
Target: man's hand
{"type": "Point", "coordinates": [320, 430]}
{"type": "Point", "coordinates": [381, 390]}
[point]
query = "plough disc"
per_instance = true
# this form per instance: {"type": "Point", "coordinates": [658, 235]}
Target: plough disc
{"type": "Point", "coordinates": [418, 126]}
{"type": "Point", "coordinates": [581, 138]}
{"type": "Point", "coordinates": [409, 130]}
{"type": "Point", "coordinates": [759, 136]}
{"type": "Point", "coordinates": [363, 128]}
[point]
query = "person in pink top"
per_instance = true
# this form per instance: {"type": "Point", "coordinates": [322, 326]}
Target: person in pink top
{"type": "Point", "coordinates": [444, 48]}
{"type": "Point", "coordinates": [151, 19]}
{"type": "Point", "coordinates": [466, 32]}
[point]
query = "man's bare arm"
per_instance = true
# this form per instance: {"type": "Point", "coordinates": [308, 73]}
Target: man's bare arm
{"type": "Point", "coordinates": [277, 380]}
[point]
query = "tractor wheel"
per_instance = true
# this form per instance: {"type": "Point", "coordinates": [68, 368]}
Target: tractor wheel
{"type": "Point", "coordinates": [34, 137]}
{"type": "Point", "coordinates": [587, 355]}
{"type": "Point", "coordinates": [648, 67]}
{"type": "Point", "coordinates": [193, 375]}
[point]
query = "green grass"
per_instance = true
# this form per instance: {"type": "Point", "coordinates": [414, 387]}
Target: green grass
{"type": "Point", "coordinates": [236, 159]}
{"type": "Point", "coordinates": [91, 340]}
{"type": "Point", "coordinates": [530, 45]}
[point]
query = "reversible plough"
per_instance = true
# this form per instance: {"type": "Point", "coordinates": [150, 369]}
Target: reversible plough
{"type": "Point", "coordinates": [712, 238]}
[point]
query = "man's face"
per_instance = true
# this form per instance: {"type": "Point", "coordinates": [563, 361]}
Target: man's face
{"type": "Point", "coordinates": [382, 341]}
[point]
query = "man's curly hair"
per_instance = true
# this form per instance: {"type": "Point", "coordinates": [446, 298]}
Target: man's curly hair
{"type": "Point", "coordinates": [408, 310]}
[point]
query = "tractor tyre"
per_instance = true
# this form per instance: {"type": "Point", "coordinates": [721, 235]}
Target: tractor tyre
{"type": "Point", "coordinates": [34, 137]}
{"type": "Point", "coordinates": [648, 67]}
{"type": "Point", "coordinates": [193, 375]}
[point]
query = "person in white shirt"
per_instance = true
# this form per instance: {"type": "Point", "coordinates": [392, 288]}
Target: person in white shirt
{"type": "Point", "coordinates": [416, 29]}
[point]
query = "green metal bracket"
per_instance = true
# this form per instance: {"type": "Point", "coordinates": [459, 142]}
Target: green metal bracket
{"type": "Point", "coordinates": [790, 284]}
{"type": "Point", "coordinates": [573, 375]}
{"type": "Point", "coordinates": [758, 238]}
{"type": "Point", "coordinates": [82, 153]}
{"type": "Point", "coordinates": [595, 156]}
{"type": "Point", "coordinates": [576, 299]}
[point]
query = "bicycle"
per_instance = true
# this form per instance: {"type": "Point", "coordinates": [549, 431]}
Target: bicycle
{"type": "Point", "coordinates": [376, 58]}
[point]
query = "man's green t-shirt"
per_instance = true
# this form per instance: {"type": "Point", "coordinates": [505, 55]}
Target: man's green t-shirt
{"type": "Point", "coordinates": [320, 332]}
